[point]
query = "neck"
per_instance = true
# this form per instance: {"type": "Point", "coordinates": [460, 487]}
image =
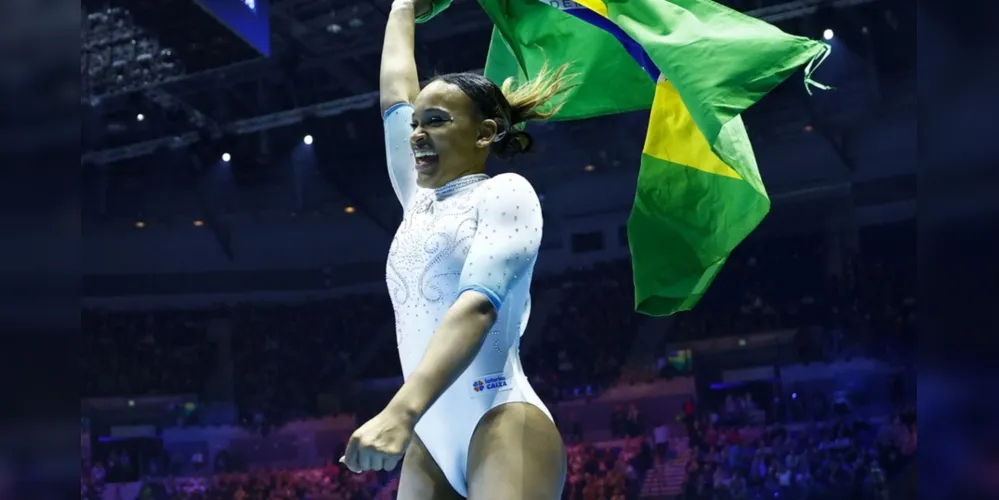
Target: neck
{"type": "Point", "coordinates": [458, 184]}
{"type": "Point", "coordinates": [469, 171]}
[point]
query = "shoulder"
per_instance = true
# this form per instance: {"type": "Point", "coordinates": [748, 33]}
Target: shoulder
{"type": "Point", "coordinates": [509, 186]}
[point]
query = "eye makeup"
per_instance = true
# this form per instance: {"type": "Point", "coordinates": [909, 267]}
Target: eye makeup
{"type": "Point", "coordinates": [432, 117]}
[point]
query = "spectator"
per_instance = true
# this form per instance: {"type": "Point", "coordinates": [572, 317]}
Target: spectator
{"type": "Point", "coordinates": [619, 422]}
{"type": "Point", "coordinates": [635, 425]}
{"type": "Point", "coordinates": [661, 439]}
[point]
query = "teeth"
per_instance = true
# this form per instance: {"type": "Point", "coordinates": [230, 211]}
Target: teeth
{"type": "Point", "coordinates": [424, 154]}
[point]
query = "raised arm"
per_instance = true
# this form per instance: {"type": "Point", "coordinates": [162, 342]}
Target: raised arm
{"type": "Point", "coordinates": [398, 81]}
{"type": "Point", "coordinates": [399, 86]}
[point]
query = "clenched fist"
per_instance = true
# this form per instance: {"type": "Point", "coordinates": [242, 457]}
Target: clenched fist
{"type": "Point", "coordinates": [379, 444]}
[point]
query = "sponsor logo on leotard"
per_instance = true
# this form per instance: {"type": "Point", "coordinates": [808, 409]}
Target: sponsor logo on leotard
{"type": "Point", "coordinates": [490, 383]}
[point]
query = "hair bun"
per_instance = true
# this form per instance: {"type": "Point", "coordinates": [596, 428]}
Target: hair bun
{"type": "Point", "coordinates": [515, 142]}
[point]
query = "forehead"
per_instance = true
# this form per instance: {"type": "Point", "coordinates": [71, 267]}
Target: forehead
{"type": "Point", "coordinates": [443, 95]}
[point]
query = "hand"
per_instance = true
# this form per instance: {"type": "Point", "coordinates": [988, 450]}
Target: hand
{"type": "Point", "coordinates": [419, 7]}
{"type": "Point", "coordinates": [380, 443]}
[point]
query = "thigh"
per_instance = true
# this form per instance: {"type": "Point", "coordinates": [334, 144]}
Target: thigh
{"type": "Point", "coordinates": [516, 452]}
{"type": "Point", "coordinates": [421, 478]}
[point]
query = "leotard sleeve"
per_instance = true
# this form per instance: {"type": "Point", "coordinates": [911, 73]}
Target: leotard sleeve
{"type": "Point", "coordinates": [398, 153]}
{"type": "Point", "coordinates": [507, 238]}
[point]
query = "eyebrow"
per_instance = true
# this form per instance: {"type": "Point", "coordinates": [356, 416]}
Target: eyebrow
{"type": "Point", "coordinates": [434, 110]}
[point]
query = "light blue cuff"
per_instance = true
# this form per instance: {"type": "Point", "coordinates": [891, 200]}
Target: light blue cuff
{"type": "Point", "coordinates": [394, 107]}
{"type": "Point", "coordinates": [493, 298]}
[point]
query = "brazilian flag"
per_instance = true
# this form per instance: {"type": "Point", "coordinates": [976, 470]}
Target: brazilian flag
{"type": "Point", "coordinates": [697, 66]}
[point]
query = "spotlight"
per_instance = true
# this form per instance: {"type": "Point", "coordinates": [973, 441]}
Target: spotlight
{"type": "Point", "coordinates": [589, 168]}
{"type": "Point", "coordinates": [307, 139]}
{"type": "Point", "coordinates": [348, 209]}
{"type": "Point", "coordinates": [199, 223]}
{"type": "Point", "coordinates": [139, 117]}
{"type": "Point", "coordinates": [140, 224]}
{"type": "Point", "coordinates": [828, 34]}
{"type": "Point", "coordinates": [226, 157]}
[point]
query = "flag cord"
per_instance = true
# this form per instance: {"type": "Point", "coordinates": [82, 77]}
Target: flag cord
{"type": "Point", "coordinates": [814, 65]}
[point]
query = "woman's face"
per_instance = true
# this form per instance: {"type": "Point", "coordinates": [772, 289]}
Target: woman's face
{"type": "Point", "coordinates": [450, 138]}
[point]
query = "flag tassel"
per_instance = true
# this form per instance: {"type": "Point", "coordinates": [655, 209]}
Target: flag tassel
{"type": "Point", "coordinates": [814, 65]}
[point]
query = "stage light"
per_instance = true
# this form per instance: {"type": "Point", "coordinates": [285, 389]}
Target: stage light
{"type": "Point", "coordinates": [589, 168]}
{"type": "Point", "coordinates": [828, 34]}
{"type": "Point", "coordinates": [139, 117]}
{"type": "Point", "coordinates": [348, 209]}
{"type": "Point", "coordinates": [140, 224]}
{"type": "Point", "coordinates": [199, 223]}
{"type": "Point", "coordinates": [226, 157]}
{"type": "Point", "coordinates": [307, 140]}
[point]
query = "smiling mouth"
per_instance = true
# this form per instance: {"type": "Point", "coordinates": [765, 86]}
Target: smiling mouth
{"type": "Point", "coordinates": [425, 160]}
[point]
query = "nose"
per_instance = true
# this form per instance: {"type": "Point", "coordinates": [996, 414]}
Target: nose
{"type": "Point", "coordinates": [418, 137]}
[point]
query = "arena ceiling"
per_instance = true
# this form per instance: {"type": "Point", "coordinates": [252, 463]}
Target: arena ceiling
{"type": "Point", "coordinates": [321, 79]}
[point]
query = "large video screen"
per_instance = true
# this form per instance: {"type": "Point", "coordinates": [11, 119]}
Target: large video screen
{"type": "Point", "coordinates": [250, 19]}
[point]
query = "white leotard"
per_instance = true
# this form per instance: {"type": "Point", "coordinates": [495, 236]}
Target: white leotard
{"type": "Point", "coordinates": [475, 233]}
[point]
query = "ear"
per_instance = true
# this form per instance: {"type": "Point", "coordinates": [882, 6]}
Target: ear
{"type": "Point", "coordinates": [488, 129]}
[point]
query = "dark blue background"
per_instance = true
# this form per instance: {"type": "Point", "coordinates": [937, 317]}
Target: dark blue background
{"type": "Point", "coordinates": [254, 27]}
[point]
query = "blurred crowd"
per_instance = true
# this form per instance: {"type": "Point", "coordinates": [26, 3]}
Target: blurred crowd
{"type": "Point", "coordinates": [865, 302]}
{"type": "Point", "coordinates": [610, 472]}
{"type": "Point", "coordinates": [288, 356]}
{"type": "Point", "coordinates": [585, 340]}
{"type": "Point", "coordinates": [284, 355]}
{"type": "Point", "coordinates": [613, 470]}
{"type": "Point", "coordinates": [842, 458]}
{"type": "Point", "coordinates": [119, 55]}
{"type": "Point", "coordinates": [331, 482]}
{"type": "Point", "coordinates": [140, 354]}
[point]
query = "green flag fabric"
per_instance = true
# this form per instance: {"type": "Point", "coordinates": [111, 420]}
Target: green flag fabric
{"type": "Point", "coordinates": [698, 66]}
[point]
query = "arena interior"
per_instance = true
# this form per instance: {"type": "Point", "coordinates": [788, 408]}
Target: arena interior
{"type": "Point", "coordinates": [237, 216]}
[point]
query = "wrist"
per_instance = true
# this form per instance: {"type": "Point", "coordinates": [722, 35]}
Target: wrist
{"type": "Point", "coordinates": [401, 5]}
{"type": "Point", "coordinates": [404, 410]}
{"type": "Point", "coordinates": [419, 7]}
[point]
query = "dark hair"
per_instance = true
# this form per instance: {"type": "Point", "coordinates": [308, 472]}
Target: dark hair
{"type": "Point", "coordinates": [511, 106]}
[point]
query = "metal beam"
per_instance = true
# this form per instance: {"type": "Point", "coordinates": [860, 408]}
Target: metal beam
{"type": "Point", "coordinates": [240, 127]}
{"type": "Point", "coordinates": [293, 30]}
{"type": "Point", "coordinates": [195, 117]}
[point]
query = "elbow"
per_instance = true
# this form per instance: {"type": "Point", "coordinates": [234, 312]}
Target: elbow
{"type": "Point", "coordinates": [476, 310]}
{"type": "Point", "coordinates": [396, 89]}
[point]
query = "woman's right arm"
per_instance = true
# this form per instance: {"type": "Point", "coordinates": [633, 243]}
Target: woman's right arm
{"type": "Point", "coordinates": [398, 81]}
{"type": "Point", "coordinates": [398, 88]}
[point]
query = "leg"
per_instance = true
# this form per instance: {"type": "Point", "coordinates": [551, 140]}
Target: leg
{"type": "Point", "coordinates": [421, 478]}
{"type": "Point", "coordinates": [516, 452]}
